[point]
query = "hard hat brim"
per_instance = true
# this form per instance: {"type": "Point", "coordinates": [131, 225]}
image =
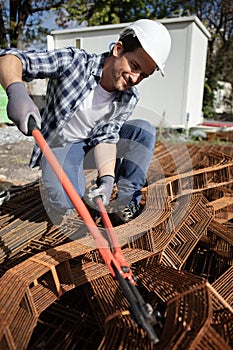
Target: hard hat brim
{"type": "Point", "coordinates": [154, 39]}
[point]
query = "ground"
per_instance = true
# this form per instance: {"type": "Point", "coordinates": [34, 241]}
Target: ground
{"type": "Point", "coordinates": [14, 166]}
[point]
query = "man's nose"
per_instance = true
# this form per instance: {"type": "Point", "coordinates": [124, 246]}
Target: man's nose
{"type": "Point", "coordinates": [136, 78]}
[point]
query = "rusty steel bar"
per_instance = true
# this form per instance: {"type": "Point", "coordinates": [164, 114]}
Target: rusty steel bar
{"type": "Point", "coordinates": [32, 285]}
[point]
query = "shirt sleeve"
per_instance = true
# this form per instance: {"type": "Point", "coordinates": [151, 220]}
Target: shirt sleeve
{"type": "Point", "coordinates": [45, 64]}
{"type": "Point", "coordinates": [106, 133]}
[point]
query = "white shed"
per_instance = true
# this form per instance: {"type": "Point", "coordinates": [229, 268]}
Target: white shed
{"type": "Point", "coordinates": [171, 99]}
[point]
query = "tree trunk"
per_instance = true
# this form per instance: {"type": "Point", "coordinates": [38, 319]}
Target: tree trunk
{"type": "Point", "coordinates": [3, 40]}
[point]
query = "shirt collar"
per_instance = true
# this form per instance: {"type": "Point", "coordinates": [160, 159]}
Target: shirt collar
{"type": "Point", "coordinates": [98, 64]}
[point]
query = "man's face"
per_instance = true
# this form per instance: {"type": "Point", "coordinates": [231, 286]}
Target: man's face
{"type": "Point", "coordinates": [130, 68]}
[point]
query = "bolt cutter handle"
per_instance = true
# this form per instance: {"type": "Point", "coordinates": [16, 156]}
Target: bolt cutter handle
{"type": "Point", "coordinates": [113, 257]}
{"type": "Point", "coordinates": [101, 243]}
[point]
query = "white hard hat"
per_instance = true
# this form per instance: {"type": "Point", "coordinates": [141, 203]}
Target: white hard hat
{"type": "Point", "coordinates": [154, 38]}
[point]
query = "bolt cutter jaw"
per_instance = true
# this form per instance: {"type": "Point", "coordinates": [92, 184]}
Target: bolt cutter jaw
{"type": "Point", "coordinates": [142, 313]}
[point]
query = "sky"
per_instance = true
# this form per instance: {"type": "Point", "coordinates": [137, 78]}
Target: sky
{"type": "Point", "coordinates": [49, 22]}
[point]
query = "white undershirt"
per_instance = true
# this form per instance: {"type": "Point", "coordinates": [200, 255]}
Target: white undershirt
{"type": "Point", "coordinates": [93, 108]}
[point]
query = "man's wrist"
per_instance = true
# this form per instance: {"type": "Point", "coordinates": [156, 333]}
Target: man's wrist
{"type": "Point", "coordinates": [107, 175]}
{"type": "Point", "coordinates": [106, 179]}
{"type": "Point", "coordinates": [14, 83]}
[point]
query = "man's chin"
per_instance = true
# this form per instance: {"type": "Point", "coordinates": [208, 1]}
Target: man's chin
{"type": "Point", "coordinates": [122, 87]}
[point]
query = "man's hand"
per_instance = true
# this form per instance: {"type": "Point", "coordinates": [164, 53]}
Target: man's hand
{"type": "Point", "coordinates": [104, 190]}
{"type": "Point", "coordinates": [20, 107]}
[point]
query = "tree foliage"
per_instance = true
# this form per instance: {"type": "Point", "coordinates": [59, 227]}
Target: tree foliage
{"type": "Point", "coordinates": [216, 15]}
{"type": "Point", "coordinates": [98, 12]}
{"type": "Point", "coordinates": [20, 21]}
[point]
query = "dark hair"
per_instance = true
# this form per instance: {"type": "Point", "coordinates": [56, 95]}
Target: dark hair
{"type": "Point", "coordinates": [129, 40]}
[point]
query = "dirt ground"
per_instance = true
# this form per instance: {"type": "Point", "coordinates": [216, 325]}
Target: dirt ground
{"type": "Point", "coordinates": [14, 164]}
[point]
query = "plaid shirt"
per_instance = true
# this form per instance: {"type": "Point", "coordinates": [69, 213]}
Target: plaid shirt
{"type": "Point", "coordinates": [72, 73]}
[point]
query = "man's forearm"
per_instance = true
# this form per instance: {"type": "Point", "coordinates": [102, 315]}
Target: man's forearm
{"type": "Point", "coordinates": [20, 106]}
{"type": "Point", "coordinates": [10, 70]}
{"type": "Point", "coordinates": [105, 158]}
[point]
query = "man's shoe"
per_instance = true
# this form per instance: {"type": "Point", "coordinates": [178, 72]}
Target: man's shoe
{"type": "Point", "coordinates": [127, 214]}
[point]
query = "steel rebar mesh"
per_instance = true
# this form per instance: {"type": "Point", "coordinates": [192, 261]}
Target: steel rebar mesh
{"type": "Point", "coordinates": [181, 227]}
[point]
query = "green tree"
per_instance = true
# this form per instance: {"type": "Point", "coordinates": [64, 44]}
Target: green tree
{"type": "Point", "coordinates": [20, 21]}
{"type": "Point", "coordinates": [98, 12]}
{"type": "Point", "coordinates": [217, 16]}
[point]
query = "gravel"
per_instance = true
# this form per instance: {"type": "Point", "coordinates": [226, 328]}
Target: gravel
{"type": "Point", "coordinates": [15, 154]}
{"type": "Point", "coordinates": [11, 134]}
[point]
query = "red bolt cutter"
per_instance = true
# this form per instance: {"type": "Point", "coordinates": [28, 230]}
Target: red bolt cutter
{"type": "Point", "coordinates": [140, 311]}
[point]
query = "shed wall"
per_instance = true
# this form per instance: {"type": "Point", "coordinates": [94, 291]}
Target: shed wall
{"type": "Point", "coordinates": [171, 98]}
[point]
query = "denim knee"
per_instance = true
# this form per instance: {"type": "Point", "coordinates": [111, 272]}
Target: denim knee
{"type": "Point", "coordinates": [141, 131]}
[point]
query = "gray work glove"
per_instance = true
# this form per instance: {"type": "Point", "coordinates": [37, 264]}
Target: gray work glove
{"type": "Point", "coordinates": [104, 189]}
{"type": "Point", "coordinates": [20, 107]}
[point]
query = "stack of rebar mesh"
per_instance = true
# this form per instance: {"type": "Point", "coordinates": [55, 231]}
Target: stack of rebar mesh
{"type": "Point", "coordinates": [56, 292]}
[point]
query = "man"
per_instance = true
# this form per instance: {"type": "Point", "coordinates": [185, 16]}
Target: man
{"type": "Point", "coordinates": [89, 100]}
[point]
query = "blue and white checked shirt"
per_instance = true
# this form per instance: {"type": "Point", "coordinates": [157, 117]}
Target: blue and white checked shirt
{"type": "Point", "coordinates": [72, 74]}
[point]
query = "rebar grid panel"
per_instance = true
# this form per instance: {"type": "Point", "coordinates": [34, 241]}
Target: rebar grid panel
{"type": "Point", "coordinates": [221, 239]}
{"type": "Point", "coordinates": [222, 319]}
{"type": "Point", "coordinates": [29, 232]}
{"type": "Point", "coordinates": [190, 309]}
{"type": "Point", "coordinates": [208, 156]}
{"type": "Point", "coordinates": [16, 222]}
{"type": "Point", "coordinates": [49, 283]}
{"type": "Point", "coordinates": [226, 136]}
{"type": "Point", "coordinates": [26, 227]}
{"type": "Point", "coordinates": [174, 160]}
{"type": "Point", "coordinates": [170, 159]}
{"type": "Point", "coordinates": [40, 234]}
{"type": "Point", "coordinates": [51, 287]}
{"type": "Point", "coordinates": [46, 265]}
{"type": "Point", "coordinates": [38, 282]}
{"type": "Point", "coordinates": [224, 286]}
{"type": "Point", "coordinates": [210, 339]}
{"type": "Point", "coordinates": [67, 324]}
{"type": "Point", "coordinates": [31, 288]}
{"type": "Point", "coordinates": [156, 211]}
{"type": "Point", "coordinates": [41, 280]}
{"type": "Point", "coordinates": [223, 208]}
{"type": "Point", "coordinates": [22, 220]}
{"type": "Point", "coordinates": [187, 233]}
{"type": "Point", "coordinates": [199, 180]}
{"type": "Point", "coordinates": [215, 193]}
{"type": "Point", "coordinates": [213, 254]}
{"type": "Point", "coordinates": [112, 315]}
{"type": "Point", "coordinates": [226, 148]}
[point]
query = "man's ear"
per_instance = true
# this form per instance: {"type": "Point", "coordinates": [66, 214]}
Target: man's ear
{"type": "Point", "coordinates": [118, 49]}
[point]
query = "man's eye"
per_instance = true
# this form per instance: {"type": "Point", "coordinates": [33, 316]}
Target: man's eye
{"type": "Point", "coordinates": [144, 76]}
{"type": "Point", "coordinates": [134, 66]}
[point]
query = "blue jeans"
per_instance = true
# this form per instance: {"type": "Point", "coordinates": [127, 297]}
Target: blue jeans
{"type": "Point", "coordinates": [134, 152]}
